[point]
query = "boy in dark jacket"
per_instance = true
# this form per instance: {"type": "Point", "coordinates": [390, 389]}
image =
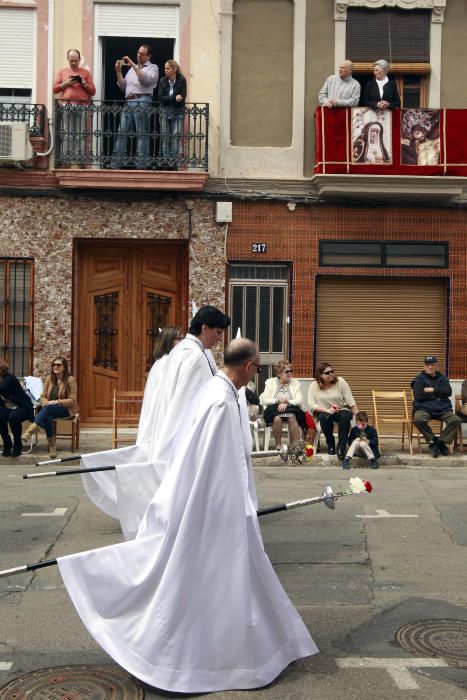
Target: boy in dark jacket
{"type": "Point", "coordinates": [363, 441]}
{"type": "Point", "coordinates": [431, 391]}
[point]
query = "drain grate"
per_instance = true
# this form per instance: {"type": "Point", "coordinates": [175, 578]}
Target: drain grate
{"type": "Point", "coordinates": [74, 683]}
{"type": "Point", "coordinates": [443, 638]}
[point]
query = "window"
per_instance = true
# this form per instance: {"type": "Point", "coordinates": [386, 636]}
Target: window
{"type": "Point", "coordinates": [106, 331]}
{"type": "Point", "coordinates": [259, 307]}
{"type": "Point", "coordinates": [158, 309]}
{"type": "Point", "coordinates": [16, 288]}
{"type": "Point", "coordinates": [400, 36]}
{"type": "Point", "coordinates": [387, 254]}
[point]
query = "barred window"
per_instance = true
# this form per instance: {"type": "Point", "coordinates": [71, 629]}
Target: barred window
{"type": "Point", "coordinates": [105, 331]}
{"type": "Point", "coordinates": [16, 295]}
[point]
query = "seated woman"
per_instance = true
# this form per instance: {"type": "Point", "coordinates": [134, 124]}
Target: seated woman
{"type": "Point", "coordinates": [330, 398]}
{"type": "Point", "coordinates": [282, 398]}
{"type": "Point", "coordinates": [15, 407]}
{"type": "Point", "coordinates": [59, 400]}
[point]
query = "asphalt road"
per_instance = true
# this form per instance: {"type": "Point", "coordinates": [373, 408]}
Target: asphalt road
{"type": "Point", "coordinates": [356, 574]}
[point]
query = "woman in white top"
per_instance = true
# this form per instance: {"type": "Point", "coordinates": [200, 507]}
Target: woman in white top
{"type": "Point", "coordinates": [330, 398]}
{"type": "Point", "coordinates": [282, 399]}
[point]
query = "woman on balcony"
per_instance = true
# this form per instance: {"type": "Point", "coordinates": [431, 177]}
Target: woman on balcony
{"type": "Point", "coordinates": [381, 93]}
{"type": "Point", "coordinates": [172, 95]}
{"type": "Point", "coordinates": [59, 400]}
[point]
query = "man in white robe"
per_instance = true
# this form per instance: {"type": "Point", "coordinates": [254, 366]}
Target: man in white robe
{"type": "Point", "coordinates": [193, 604]}
{"type": "Point", "coordinates": [126, 492]}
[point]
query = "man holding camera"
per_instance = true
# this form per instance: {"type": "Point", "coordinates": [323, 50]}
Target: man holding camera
{"type": "Point", "coordinates": [76, 87]}
{"type": "Point", "coordinates": [138, 85]}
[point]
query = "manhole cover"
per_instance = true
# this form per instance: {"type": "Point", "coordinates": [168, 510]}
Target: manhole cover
{"type": "Point", "coordinates": [443, 638]}
{"type": "Point", "coordinates": [74, 683]}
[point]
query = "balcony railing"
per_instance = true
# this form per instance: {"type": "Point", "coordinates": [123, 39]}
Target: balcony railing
{"type": "Point", "coordinates": [136, 135]}
{"type": "Point", "coordinates": [34, 115]}
{"type": "Point", "coordinates": [361, 141]}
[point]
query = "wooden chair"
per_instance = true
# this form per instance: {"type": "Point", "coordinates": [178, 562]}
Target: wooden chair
{"type": "Point", "coordinates": [459, 439]}
{"type": "Point", "coordinates": [399, 400]}
{"type": "Point", "coordinates": [126, 410]}
{"type": "Point", "coordinates": [68, 429]}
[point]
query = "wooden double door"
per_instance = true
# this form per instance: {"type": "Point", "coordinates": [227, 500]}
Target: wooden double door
{"type": "Point", "coordinates": [126, 291]}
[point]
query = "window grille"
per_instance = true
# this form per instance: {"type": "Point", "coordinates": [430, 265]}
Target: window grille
{"type": "Point", "coordinates": [383, 254]}
{"type": "Point", "coordinates": [105, 331]}
{"type": "Point", "coordinates": [158, 309]}
{"type": "Point", "coordinates": [16, 290]}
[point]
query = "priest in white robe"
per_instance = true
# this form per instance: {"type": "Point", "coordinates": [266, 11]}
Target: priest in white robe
{"type": "Point", "coordinates": [193, 604]}
{"type": "Point", "coordinates": [126, 492]}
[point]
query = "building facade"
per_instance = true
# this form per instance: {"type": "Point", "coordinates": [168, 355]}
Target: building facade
{"type": "Point", "coordinates": [360, 266]}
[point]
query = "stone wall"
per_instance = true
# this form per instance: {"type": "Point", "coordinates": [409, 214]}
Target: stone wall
{"type": "Point", "coordinates": [44, 228]}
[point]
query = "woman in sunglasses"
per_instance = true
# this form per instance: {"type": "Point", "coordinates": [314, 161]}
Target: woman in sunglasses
{"type": "Point", "coordinates": [282, 399]}
{"type": "Point", "coordinates": [330, 398]}
{"type": "Point", "coordinates": [59, 400]}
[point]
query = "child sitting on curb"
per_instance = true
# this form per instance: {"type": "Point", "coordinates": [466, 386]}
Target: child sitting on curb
{"type": "Point", "coordinates": [363, 441]}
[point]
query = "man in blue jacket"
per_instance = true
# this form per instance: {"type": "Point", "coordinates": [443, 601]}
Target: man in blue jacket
{"type": "Point", "coordinates": [431, 391]}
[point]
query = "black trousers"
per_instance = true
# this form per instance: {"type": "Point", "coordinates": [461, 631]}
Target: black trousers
{"type": "Point", "coordinates": [343, 418]}
{"type": "Point", "coordinates": [14, 418]}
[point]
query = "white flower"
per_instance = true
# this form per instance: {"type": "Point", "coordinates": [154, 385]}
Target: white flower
{"type": "Point", "coordinates": [356, 485]}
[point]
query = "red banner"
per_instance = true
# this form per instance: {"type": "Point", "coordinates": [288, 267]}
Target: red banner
{"type": "Point", "coordinates": [437, 137]}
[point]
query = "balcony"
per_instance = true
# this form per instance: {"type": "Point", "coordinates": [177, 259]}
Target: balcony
{"type": "Point", "coordinates": [108, 145]}
{"type": "Point", "coordinates": [35, 117]}
{"type": "Point", "coordinates": [401, 154]}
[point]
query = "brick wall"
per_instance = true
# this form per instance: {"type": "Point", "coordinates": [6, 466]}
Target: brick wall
{"type": "Point", "coordinates": [294, 236]}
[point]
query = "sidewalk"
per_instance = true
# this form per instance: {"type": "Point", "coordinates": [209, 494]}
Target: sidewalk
{"type": "Point", "coordinates": [98, 439]}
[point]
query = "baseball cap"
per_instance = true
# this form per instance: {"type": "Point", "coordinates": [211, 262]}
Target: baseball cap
{"type": "Point", "coordinates": [430, 360]}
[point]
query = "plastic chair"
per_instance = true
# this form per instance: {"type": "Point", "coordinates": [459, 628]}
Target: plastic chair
{"type": "Point", "coordinates": [399, 400]}
{"type": "Point", "coordinates": [125, 414]}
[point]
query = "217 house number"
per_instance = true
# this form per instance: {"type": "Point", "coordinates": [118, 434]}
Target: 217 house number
{"type": "Point", "coordinates": [259, 247]}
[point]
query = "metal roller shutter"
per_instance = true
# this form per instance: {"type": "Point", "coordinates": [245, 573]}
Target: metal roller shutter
{"type": "Point", "coordinates": [375, 332]}
{"type": "Point", "coordinates": [17, 47]}
{"type": "Point", "coordinates": [158, 21]}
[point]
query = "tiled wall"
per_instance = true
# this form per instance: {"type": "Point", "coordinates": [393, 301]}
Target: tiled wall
{"type": "Point", "coordinates": [294, 236]}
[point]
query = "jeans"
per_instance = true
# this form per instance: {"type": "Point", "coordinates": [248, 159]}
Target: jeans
{"type": "Point", "coordinates": [134, 117]}
{"type": "Point", "coordinates": [171, 138]}
{"type": "Point", "coordinates": [73, 146]}
{"type": "Point", "coordinates": [13, 417]}
{"type": "Point", "coordinates": [343, 418]}
{"type": "Point", "coordinates": [46, 416]}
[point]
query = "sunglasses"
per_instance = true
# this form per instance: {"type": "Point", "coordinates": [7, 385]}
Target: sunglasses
{"type": "Point", "coordinates": [287, 371]}
{"type": "Point", "coordinates": [258, 368]}
{"type": "Point", "coordinates": [57, 364]}
{"type": "Point", "coordinates": [331, 371]}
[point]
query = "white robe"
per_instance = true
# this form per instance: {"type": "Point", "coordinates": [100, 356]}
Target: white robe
{"type": "Point", "coordinates": [193, 604]}
{"type": "Point", "coordinates": [126, 492]}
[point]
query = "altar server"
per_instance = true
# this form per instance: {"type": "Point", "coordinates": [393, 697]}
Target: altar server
{"type": "Point", "coordinates": [193, 604]}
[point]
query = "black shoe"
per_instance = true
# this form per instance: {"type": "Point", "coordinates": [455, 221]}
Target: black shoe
{"type": "Point", "coordinates": [346, 463]}
{"type": "Point", "coordinates": [16, 452]}
{"type": "Point", "coordinates": [6, 452]}
{"type": "Point", "coordinates": [374, 463]}
{"type": "Point", "coordinates": [434, 449]}
{"type": "Point", "coordinates": [443, 448]}
{"type": "Point", "coordinates": [340, 454]}
{"type": "Point", "coordinates": [331, 450]}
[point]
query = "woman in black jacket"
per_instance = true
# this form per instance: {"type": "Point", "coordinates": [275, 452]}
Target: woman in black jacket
{"type": "Point", "coordinates": [381, 93]}
{"type": "Point", "coordinates": [15, 407]}
{"type": "Point", "coordinates": [172, 95]}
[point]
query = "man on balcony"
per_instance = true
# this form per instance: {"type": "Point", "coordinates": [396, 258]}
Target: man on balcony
{"type": "Point", "coordinates": [340, 90]}
{"type": "Point", "coordinates": [76, 87]}
{"type": "Point", "coordinates": [138, 86]}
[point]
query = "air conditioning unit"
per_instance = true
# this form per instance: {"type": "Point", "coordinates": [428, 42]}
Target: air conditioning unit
{"type": "Point", "coordinates": [14, 141]}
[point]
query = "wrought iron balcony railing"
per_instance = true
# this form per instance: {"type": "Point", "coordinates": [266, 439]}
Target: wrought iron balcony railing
{"type": "Point", "coordinates": [131, 135]}
{"type": "Point", "coordinates": [34, 115]}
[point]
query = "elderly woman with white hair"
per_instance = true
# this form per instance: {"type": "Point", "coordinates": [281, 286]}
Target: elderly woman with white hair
{"type": "Point", "coordinates": [381, 93]}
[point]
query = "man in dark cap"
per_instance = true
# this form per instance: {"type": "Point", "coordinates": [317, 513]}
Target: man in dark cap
{"type": "Point", "coordinates": [431, 391]}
